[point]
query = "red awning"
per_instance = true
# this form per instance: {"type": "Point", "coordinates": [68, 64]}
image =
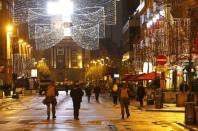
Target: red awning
{"type": "Point", "coordinates": [149, 76]}
{"type": "Point", "coordinates": [131, 77]}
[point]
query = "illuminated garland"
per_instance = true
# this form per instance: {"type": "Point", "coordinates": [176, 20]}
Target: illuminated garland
{"type": "Point", "coordinates": [88, 22]}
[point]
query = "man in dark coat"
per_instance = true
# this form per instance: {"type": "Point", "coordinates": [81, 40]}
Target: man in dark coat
{"type": "Point", "coordinates": [140, 94]}
{"type": "Point", "coordinates": [97, 92]}
{"type": "Point", "coordinates": [76, 94]}
{"type": "Point", "coordinates": [88, 92]}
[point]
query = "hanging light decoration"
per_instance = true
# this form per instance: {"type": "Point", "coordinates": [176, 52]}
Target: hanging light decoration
{"type": "Point", "coordinates": [47, 26]}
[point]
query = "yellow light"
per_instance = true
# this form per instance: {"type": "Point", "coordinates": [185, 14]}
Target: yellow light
{"type": "Point", "coordinates": [107, 57]}
{"type": "Point", "coordinates": [24, 43]}
{"type": "Point", "coordinates": [20, 40]}
{"type": "Point", "coordinates": [9, 28]}
{"type": "Point", "coordinates": [79, 57]}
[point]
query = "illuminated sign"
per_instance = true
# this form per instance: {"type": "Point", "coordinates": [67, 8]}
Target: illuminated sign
{"type": "Point", "coordinates": [33, 72]}
{"type": "Point", "coordinates": [116, 75]}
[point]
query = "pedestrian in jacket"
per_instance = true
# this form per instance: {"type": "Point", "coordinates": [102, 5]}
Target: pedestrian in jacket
{"type": "Point", "coordinates": [76, 94]}
{"type": "Point", "coordinates": [50, 99]}
{"type": "Point", "coordinates": [140, 94]}
{"type": "Point", "coordinates": [88, 92]}
{"type": "Point", "coordinates": [124, 96]}
{"type": "Point", "coordinates": [97, 92]}
{"type": "Point", "coordinates": [115, 93]}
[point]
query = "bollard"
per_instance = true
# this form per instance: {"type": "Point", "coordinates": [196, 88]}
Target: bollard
{"type": "Point", "coordinates": [1, 94]}
{"type": "Point", "coordinates": [189, 113]}
{"type": "Point", "coordinates": [196, 114]}
{"type": "Point", "coordinates": [181, 98]}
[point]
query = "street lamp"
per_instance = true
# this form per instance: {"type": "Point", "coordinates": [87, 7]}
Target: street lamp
{"type": "Point", "coordinates": [9, 29]}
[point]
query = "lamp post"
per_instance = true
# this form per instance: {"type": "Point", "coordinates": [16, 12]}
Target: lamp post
{"type": "Point", "coordinates": [9, 30]}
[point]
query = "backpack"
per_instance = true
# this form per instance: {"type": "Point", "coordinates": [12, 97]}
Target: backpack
{"type": "Point", "coordinates": [115, 87]}
{"type": "Point", "coordinates": [124, 93]}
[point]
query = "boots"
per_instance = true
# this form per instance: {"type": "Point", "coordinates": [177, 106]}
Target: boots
{"type": "Point", "coordinates": [54, 116]}
{"type": "Point", "coordinates": [122, 116]}
{"type": "Point", "coordinates": [48, 116]}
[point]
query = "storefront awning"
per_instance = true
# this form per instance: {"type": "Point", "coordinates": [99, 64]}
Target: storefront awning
{"type": "Point", "coordinates": [131, 77]}
{"type": "Point", "coordinates": [149, 76]}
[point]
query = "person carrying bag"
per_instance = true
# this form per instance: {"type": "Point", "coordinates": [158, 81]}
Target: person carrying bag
{"type": "Point", "coordinates": [50, 99]}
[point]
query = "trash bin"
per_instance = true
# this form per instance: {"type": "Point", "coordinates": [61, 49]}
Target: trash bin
{"type": "Point", "coordinates": [158, 99]}
{"type": "Point", "coordinates": [196, 114]}
{"type": "Point", "coordinates": [189, 113]}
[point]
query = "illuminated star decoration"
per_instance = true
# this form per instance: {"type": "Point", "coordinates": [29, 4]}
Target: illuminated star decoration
{"type": "Point", "coordinates": [48, 26]}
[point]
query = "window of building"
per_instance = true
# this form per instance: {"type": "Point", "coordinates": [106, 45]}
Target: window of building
{"type": "Point", "coordinates": [74, 59]}
{"type": "Point", "coordinates": [60, 51]}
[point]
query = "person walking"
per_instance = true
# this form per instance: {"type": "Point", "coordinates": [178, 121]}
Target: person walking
{"type": "Point", "coordinates": [140, 94]}
{"type": "Point", "coordinates": [97, 92]}
{"type": "Point", "coordinates": [124, 96]}
{"type": "Point", "coordinates": [76, 94]}
{"type": "Point", "coordinates": [50, 99]}
{"type": "Point", "coordinates": [115, 93]}
{"type": "Point", "coordinates": [88, 92]}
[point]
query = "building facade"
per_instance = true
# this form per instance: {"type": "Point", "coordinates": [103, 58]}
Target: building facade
{"type": "Point", "coordinates": [6, 9]}
{"type": "Point", "coordinates": [67, 60]}
{"type": "Point", "coordinates": [165, 29]}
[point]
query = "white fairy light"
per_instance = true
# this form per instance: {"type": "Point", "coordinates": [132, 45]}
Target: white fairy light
{"type": "Point", "coordinates": [47, 25]}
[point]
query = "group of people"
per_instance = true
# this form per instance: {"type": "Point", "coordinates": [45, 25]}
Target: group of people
{"type": "Point", "coordinates": [120, 92]}
{"type": "Point", "coordinates": [76, 94]}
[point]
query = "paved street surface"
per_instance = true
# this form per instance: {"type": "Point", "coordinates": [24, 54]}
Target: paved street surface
{"type": "Point", "coordinates": [28, 113]}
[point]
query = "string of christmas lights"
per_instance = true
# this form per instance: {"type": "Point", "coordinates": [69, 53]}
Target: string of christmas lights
{"type": "Point", "coordinates": [87, 22]}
